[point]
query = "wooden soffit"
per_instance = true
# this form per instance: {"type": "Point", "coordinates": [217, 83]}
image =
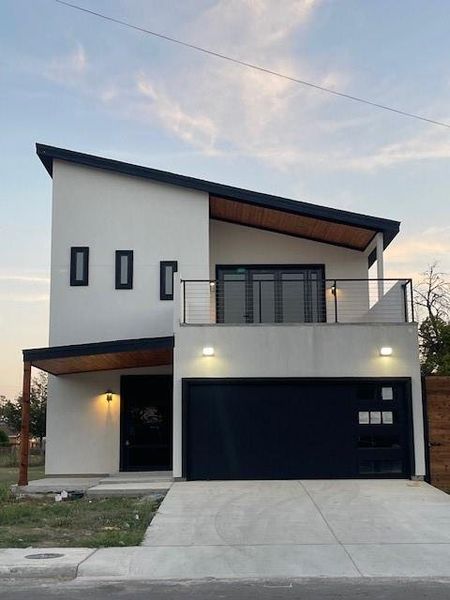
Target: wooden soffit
{"type": "Point", "coordinates": [102, 356]}
{"type": "Point", "coordinates": [320, 230]}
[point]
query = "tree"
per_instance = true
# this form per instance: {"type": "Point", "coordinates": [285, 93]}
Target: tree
{"type": "Point", "coordinates": [432, 300]}
{"type": "Point", "coordinates": [11, 410]}
{"type": "Point", "coordinates": [4, 439]}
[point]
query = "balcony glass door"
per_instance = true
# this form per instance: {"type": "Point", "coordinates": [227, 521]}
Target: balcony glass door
{"type": "Point", "coordinates": [272, 294]}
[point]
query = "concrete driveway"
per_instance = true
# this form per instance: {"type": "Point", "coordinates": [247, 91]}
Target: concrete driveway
{"type": "Point", "coordinates": [270, 529]}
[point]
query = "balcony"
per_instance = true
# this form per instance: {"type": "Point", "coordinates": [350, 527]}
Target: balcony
{"type": "Point", "coordinates": [237, 299]}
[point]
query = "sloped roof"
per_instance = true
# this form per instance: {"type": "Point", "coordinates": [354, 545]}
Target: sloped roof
{"type": "Point", "coordinates": [246, 207]}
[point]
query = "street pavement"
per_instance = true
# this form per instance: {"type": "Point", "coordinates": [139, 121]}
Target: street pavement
{"type": "Point", "coordinates": [327, 589]}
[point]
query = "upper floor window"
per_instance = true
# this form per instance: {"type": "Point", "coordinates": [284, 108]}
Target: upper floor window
{"type": "Point", "coordinates": [167, 268]}
{"type": "Point", "coordinates": [124, 269]}
{"type": "Point", "coordinates": [79, 265]}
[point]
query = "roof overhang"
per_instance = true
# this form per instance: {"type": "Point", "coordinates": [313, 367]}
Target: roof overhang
{"type": "Point", "coordinates": [253, 209]}
{"type": "Point", "coordinates": [102, 356]}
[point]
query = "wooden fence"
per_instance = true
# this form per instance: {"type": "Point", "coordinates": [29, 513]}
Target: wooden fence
{"type": "Point", "coordinates": [437, 390]}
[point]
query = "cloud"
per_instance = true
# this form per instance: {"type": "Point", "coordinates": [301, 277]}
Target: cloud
{"type": "Point", "coordinates": [27, 298]}
{"type": "Point", "coordinates": [223, 109]}
{"type": "Point", "coordinates": [432, 144]}
{"type": "Point", "coordinates": [25, 278]}
{"type": "Point", "coordinates": [68, 69]}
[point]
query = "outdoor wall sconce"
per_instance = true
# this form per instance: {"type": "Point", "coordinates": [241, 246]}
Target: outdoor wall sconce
{"type": "Point", "coordinates": [333, 289]}
{"type": "Point", "coordinates": [386, 351]}
{"type": "Point", "coordinates": [208, 351]}
{"type": "Point", "coordinates": [109, 396]}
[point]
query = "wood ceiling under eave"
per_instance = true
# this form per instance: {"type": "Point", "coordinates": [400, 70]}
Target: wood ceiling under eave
{"type": "Point", "coordinates": [233, 211]}
{"type": "Point", "coordinates": [105, 362]}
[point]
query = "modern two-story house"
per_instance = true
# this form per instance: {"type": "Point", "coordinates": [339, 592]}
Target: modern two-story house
{"type": "Point", "coordinates": [219, 333]}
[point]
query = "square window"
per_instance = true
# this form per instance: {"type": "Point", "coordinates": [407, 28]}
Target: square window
{"type": "Point", "coordinates": [388, 417]}
{"type": "Point", "coordinates": [363, 417]}
{"type": "Point", "coordinates": [375, 417]}
{"type": "Point", "coordinates": [387, 393]}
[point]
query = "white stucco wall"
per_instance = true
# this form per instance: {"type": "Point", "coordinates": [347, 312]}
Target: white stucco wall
{"type": "Point", "coordinates": [83, 429]}
{"type": "Point", "coordinates": [108, 211]}
{"type": "Point", "coordinates": [309, 350]}
{"type": "Point", "coordinates": [236, 244]}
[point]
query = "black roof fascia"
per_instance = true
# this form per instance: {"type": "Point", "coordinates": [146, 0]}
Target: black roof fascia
{"type": "Point", "coordinates": [388, 227]}
{"type": "Point", "coordinates": [157, 343]}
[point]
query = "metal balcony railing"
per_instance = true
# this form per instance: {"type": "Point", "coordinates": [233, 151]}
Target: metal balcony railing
{"type": "Point", "coordinates": [296, 300]}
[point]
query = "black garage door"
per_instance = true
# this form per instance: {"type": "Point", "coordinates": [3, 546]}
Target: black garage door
{"type": "Point", "coordinates": [296, 428]}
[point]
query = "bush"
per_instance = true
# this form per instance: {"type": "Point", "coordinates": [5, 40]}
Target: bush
{"type": "Point", "coordinates": [4, 439]}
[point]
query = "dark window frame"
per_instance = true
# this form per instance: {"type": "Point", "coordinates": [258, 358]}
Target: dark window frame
{"type": "Point", "coordinates": [74, 250]}
{"type": "Point", "coordinates": [163, 265]}
{"type": "Point", "coordinates": [221, 269]}
{"type": "Point", "coordinates": [129, 283]}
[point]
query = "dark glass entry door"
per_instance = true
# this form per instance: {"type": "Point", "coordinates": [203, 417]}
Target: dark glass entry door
{"type": "Point", "coordinates": [271, 294]}
{"type": "Point", "coordinates": [146, 423]}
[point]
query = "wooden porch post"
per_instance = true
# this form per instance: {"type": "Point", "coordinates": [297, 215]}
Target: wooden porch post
{"type": "Point", "coordinates": [25, 429]}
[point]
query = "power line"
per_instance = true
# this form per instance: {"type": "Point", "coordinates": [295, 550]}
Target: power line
{"type": "Point", "coordinates": [243, 63]}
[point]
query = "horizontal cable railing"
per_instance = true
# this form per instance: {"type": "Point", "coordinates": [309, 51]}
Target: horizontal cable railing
{"type": "Point", "coordinates": [296, 299]}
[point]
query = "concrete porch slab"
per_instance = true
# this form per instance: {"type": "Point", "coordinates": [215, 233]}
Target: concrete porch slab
{"type": "Point", "coordinates": [54, 485]}
{"type": "Point", "coordinates": [129, 489]}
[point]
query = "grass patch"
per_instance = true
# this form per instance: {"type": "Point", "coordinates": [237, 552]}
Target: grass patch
{"type": "Point", "coordinates": [87, 522]}
{"type": "Point", "coordinates": [10, 475]}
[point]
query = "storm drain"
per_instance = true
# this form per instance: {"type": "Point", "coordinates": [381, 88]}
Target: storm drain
{"type": "Point", "coordinates": [43, 555]}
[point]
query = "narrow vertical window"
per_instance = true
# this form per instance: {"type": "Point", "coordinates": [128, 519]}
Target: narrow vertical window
{"type": "Point", "coordinates": [79, 265]}
{"type": "Point", "coordinates": [124, 269]}
{"type": "Point", "coordinates": [166, 270]}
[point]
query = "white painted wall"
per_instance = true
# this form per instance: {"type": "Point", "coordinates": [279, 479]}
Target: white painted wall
{"type": "Point", "coordinates": [237, 244]}
{"type": "Point", "coordinates": [308, 350]}
{"type": "Point", "coordinates": [83, 429]}
{"type": "Point", "coordinates": [108, 211]}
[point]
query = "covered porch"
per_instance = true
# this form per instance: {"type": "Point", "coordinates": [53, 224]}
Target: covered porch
{"type": "Point", "coordinates": [87, 412]}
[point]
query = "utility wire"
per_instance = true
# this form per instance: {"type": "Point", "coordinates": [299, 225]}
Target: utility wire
{"type": "Point", "coordinates": [253, 66]}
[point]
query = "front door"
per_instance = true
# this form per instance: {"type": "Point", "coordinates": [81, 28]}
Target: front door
{"type": "Point", "coordinates": [146, 423]}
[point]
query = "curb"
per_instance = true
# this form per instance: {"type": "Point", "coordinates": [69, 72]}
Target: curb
{"type": "Point", "coordinates": [42, 563]}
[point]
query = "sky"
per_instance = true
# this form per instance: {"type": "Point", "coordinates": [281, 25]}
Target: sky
{"type": "Point", "coordinates": [71, 80]}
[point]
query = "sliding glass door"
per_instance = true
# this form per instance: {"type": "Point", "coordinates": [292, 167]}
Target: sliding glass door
{"type": "Point", "coordinates": [272, 294]}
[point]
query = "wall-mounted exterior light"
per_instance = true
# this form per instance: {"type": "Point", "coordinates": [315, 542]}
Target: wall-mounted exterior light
{"type": "Point", "coordinates": [212, 284]}
{"type": "Point", "coordinates": [109, 396]}
{"type": "Point", "coordinates": [333, 289]}
{"type": "Point", "coordinates": [386, 351]}
{"type": "Point", "coordinates": [208, 351]}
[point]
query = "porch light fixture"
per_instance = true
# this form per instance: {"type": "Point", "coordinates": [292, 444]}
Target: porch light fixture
{"type": "Point", "coordinates": [386, 351]}
{"type": "Point", "coordinates": [333, 289]}
{"type": "Point", "coordinates": [208, 351]}
{"type": "Point", "coordinates": [212, 284]}
{"type": "Point", "coordinates": [109, 396]}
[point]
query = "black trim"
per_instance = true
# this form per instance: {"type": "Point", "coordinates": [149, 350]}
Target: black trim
{"type": "Point", "coordinates": [187, 381]}
{"type": "Point", "coordinates": [128, 285]}
{"type": "Point", "coordinates": [74, 250]}
{"type": "Point", "coordinates": [163, 265]}
{"type": "Point", "coordinates": [389, 228]}
{"type": "Point", "coordinates": [156, 343]}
